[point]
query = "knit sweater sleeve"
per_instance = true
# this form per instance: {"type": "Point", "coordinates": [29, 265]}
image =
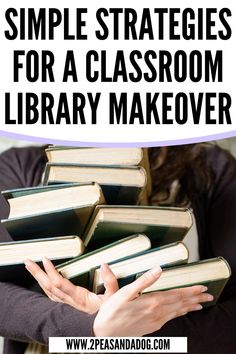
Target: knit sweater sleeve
{"type": "Point", "coordinates": [24, 314]}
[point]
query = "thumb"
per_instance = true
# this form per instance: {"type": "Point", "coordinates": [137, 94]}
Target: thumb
{"type": "Point", "coordinates": [131, 291]}
{"type": "Point", "coordinates": [109, 280]}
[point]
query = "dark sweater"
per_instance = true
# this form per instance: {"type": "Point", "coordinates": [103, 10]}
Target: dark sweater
{"type": "Point", "coordinates": [26, 316]}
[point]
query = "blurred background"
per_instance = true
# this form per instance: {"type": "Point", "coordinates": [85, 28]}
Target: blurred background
{"type": "Point", "coordinates": [6, 143]}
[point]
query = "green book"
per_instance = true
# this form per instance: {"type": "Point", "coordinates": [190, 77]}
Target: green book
{"type": "Point", "coordinates": [213, 273]}
{"type": "Point", "coordinates": [95, 156]}
{"type": "Point", "coordinates": [161, 225]}
{"type": "Point", "coordinates": [78, 269]}
{"type": "Point", "coordinates": [120, 185]}
{"type": "Point", "coordinates": [103, 157]}
{"type": "Point", "coordinates": [48, 212]}
{"type": "Point", "coordinates": [13, 255]}
{"type": "Point", "coordinates": [126, 269]}
{"type": "Point", "coordinates": [21, 192]}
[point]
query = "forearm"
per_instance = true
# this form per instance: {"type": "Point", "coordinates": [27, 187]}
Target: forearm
{"type": "Point", "coordinates": [29, 316]}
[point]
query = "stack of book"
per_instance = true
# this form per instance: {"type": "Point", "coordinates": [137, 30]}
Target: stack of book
{"type": "Point", "coordinates": [90, 211]}
{"type": "Point", "coordinates": [122, 173]}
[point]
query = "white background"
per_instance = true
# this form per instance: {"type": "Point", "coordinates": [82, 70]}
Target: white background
{"type": "Point", "coordinates": [103, 132]}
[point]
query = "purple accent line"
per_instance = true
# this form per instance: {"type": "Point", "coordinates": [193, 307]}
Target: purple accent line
{"type": "Point", "coordinates": [110, 144]}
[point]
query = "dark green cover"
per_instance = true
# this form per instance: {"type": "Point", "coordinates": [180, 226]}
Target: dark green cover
{"type": "Point", "coordinates": [59, 223]}
{"type": "Point", "coordinates": [126, 280]}
{"type": "Point", "coordinates": [67, 221]}
{"type": "Point", "coordinates": [215, 287]}
{"type": "Point", "coordinates": [84, 279]}
{"type": "Point", "coordinates": [16, 272]}
{"type": "Point", "coordinates": [113, 193]}
{"type": "Point", "coordinates": [21, 192]}
{"type": "Point", "coordinates": [107, 232]}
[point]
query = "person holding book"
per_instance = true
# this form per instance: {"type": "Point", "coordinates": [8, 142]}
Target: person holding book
{"type": "Point", "coordinates": [205, 178]}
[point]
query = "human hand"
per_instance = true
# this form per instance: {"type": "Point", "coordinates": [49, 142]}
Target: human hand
{"type": "Point", "coordinates": [127, 313]}
{"type": "Point", "coordinates": [60, 289]}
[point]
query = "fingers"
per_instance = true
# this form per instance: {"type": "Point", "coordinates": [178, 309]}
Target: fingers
{"type": "Point", "coordinates": [109, 280]}
{"type": "Point", "coordinates": [181, 311]}
{"type": "Point", "coordinates": [41, 278]}
{"type": "Point", "coordinates": [183, 296]}
{"type": "Point", "coordinates": [35, 271]}
{"type": "Point", "coordinates": [174, 303]}
{"type": "Point", "coordinates": [188, 291]}
{"type": "Point", "coordinates": [190, 295]}
{"type": "Point", "coordinates": [56, 278]}
{"type": "Point", "coordinates": [52, 283]}
{"type": "Point", "coordinates": [178, 295]}
{"type": "Point", "coordinates": [202, 298]}
{"type": "Point", "coordinates": [186, 305]}
{"type": "Point", "coordinates": [50, 295]}
{"type": "Point", "coordinates": [131, 291]}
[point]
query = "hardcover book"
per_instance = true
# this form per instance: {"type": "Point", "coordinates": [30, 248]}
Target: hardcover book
{"type": "Point", "coordinates": [13, 255]}
{"type": "Point", "coordinates": [161, 224]}
{"type": "Point", "coordinates": [95, 156]}
{"type": "Point", "coordinates": [213, 273]}
{"type": "Point", "coordinates": [126, 269]}
{"type": "Point", "coordinates": [120, 185]}
{"type": "Point", "coordinates": [78, 269]}
{"type": "Point", "coordinates": [21, 192]}
{"type": "Point", "coordinates": [48, 212]}
{"type": "Point", "coordinates": [102, 157]}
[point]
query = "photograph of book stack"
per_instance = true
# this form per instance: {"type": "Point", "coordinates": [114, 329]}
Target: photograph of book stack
{"type": "Point", "coordinates": [93, 209]}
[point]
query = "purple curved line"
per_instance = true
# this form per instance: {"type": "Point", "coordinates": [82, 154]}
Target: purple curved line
{"type": "Point", "coordinates": [110, 144]}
